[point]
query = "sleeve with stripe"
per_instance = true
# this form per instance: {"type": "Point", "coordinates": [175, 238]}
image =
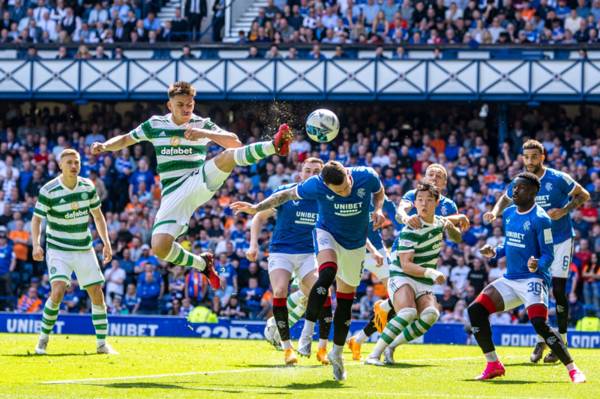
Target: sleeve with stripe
{"type": "Point", "coordinates": [42, 206]}
{"type": "Point", "coordinates": [94, 199]}
{"type": "Point", "coordinates": [139, 133]}
{"type": "Point", "coordinates": [405, 242]}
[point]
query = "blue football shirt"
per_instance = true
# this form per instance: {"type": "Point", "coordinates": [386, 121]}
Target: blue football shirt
{"type": "Point", "coordinates": [294, 223]}
{"type": "Point", "coordinates": [556, 188]}
{"type": "Point", "coordinates": [527, 234]}
{"type": "Point", "coordinates": [345, 218]}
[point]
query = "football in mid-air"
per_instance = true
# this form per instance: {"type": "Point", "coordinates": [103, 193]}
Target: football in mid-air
{"type": "Point", "coordinates": [322, 125]}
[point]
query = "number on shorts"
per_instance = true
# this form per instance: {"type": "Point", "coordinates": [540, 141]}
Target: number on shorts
{"type": "Point", "coordinates": [534, 287]}
{"type": "Point", "coordinates": [566, 263]}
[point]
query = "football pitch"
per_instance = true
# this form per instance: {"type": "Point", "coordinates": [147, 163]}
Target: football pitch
{"type": "Point", "coordinates": [210, 368]}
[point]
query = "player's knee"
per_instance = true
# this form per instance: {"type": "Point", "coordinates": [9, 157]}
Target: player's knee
{"type": "Point", "coordinates": [280, 292]}
{"type": "Point", "coordinates": [326, 277]}
{"type": "Point", "coordinates": [407, 314]}
{"type": "Point", "coordinates": [430, 315]}
{"type": "Point", "coordinates": [540, 325]}
{"type": "Point", "coordinates": [477, 313]}
{"type": "Point", "coordinates": [96, 294]}
{"type": "Point", "coordinates": [161, 247]}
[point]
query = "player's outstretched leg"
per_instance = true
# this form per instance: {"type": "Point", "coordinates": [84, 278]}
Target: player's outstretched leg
{"type": "Point", "coordinates": [538, 315]}
{"type": "Point", "coordinates": [341, 326]}
{"type": "Point", "coordinates": [316, 300]}
{"type": "Point", "coordinates": [325, 321]}
{"type": "Point", "coordinates": [479, 313]}
{"type": "Point", "coordinates": [166, 248]}
{"type": "Point", "coordinates": [559, 290]}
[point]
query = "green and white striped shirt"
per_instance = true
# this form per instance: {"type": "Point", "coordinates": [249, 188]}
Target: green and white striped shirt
{"type": "Point", "coordinates": [424, 242]}
{"type": "Point", "coordinates": [176, 157]}
{"type": "Point", "coordinates": [67, 213]}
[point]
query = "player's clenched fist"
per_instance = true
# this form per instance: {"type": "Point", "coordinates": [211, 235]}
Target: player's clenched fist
{"type": "Point", "coordinates": [38, 253]}
{"type": "Point", "coordinates": [532, 264]}
{"type": "Point", "coordinates": [489, 217]}
{"type": "Point", "coordinates": [488, 251]}
{"type": "Point", "coordinates": [97, 148]}
{"type": "Point", "coordinates": [252, 253]}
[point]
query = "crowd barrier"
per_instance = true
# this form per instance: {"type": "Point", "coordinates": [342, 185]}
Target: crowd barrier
{"type": "Point", "coordinates": [167, 326]}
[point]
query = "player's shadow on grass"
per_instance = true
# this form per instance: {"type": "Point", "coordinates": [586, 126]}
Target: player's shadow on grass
{"type": "Point", "coordinates": [407, 365]}
{"type": "Point", "coordinates": [514, 382]}
{"type": "Point", "coordinates": [329, 384]}
{"type": "Point", "coordinates": [50, 354]}
{"type": "Point", "coordinates": [151, 385]}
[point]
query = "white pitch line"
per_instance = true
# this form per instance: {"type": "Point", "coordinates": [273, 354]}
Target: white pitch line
{"type": "Point", "coordinates": [277, 368]}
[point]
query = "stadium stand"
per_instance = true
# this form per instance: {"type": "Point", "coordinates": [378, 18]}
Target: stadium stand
{"type": "Point", "coordinates": [398, 140]}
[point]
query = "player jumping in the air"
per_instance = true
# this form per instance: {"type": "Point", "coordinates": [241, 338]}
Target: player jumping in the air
{"type": "Point", "coordinates": [412, 274]}
{"type": "Point", "coordinates": [553, 197]}
{"type": "Point", "coordinates": [180, 141]}
{"type": "Point", "coordinates": [291, 251]}
{"type": "Point", "coordinates": [66, 203]}
{"type": "Point", "coordinates": [406, 214]}
{"type": "Point", "coordinates": [528, 247]}
{"type": "Point", "coordinates": [340, 238]}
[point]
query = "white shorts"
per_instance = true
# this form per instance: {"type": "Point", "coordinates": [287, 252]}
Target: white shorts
{"type": "Point", "coordinates": [350, 261]}
{"type": "Point", "coordinates": [383, 271]}
{"type": "Point", "coordinates": [178, 206]}
{"type": "Point", "coordinates": [420, 289]}
{"type": "Point", "coordinates": [61, 264]}
{"type": "Point", "coordinates": [527, 291]}
{"type": "Point", "coordinates": [563, 253]}
{"type": "Point", "coordinates": [298, 264]}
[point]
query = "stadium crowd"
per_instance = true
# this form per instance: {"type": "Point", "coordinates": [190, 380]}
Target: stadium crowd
{"type": "Point", "coordinates": [293, 22]}
{"type": "Point", "coordinates": [398, 141]}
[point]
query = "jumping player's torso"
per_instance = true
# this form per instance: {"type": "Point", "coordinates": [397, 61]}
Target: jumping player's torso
{"type": "Point", "coordinates": [346, 218]}
{"type": "Point", "coordinates": [175, 155]}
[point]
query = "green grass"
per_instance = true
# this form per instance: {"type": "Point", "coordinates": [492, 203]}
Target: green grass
{"type": "Point", "coordinates": [208, 368]}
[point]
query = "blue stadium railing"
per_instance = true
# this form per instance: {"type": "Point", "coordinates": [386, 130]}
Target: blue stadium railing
{"type": "Point", "coordinates": [325, 79]}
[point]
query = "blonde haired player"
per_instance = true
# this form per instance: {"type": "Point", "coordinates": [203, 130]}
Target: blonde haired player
{"type": "Point", "coordinates": [180, 141]}
{"type": "Point", "coordinates": [66, 203]}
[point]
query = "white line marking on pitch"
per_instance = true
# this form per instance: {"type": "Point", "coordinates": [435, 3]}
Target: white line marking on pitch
{"type": "Point", "coordinates": [277, 368]}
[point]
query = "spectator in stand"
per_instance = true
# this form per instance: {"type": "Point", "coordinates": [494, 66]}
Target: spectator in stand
{"type": "Point", "coordinates": [115, 281]}
{"type": "Point", "coordinates": [149, 291]}
{"type": "Point", "coordinates": [8, 264]}
{"type": "Point", "coordinates": [30, 302]}
{"type": "Point", "coordinates": [233, 309]}
{"type": "Point", "coordinates": [131, 301]}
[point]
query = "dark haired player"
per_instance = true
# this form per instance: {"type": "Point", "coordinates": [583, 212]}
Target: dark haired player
{"type": "Point", "coordinates": [529, 254]}
{"type": "Point", "coordinates": [343, 196]}
{"type": "Point", "coordinates": [556, 189]}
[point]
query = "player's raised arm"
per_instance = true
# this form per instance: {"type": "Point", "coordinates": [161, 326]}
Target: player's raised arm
{"type": "Point", "coordinates": [258, 222]}
{"type": "Point", "coordinates": [402, 214]}
{"type": "Point", "coordinates": [503, 203]}
{"type": "Point", "coordinates": [454, 233]}
{"type": "Point", "coordinates": [273, 201]}
{"type": "Point", "coordinates": [223, 138]}
{"type": "Point", "coordinates": [114, 144]}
